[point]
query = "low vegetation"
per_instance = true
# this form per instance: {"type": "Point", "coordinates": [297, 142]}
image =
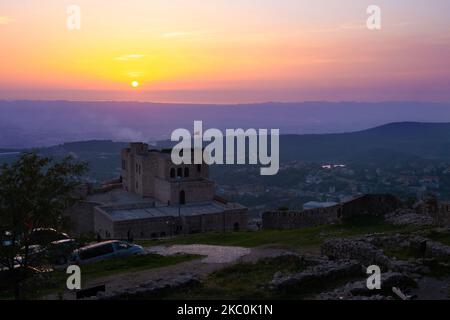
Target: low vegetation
{"type": "Point", "coordinates": [240, 281]}
{"type": "Point", "coordinates": [442, 237]}
{"type": "Point", "coordinates": [55, 282]}
{"type": "Point", "coordinates": [132, 264]}
{"type": "Point", "coordinates": [248, 281]}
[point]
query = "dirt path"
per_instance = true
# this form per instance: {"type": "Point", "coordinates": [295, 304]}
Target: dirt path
{"type": "Point", "coordinates": [216, 258]}
{"type": "Point", "coordinates": [213, 254]}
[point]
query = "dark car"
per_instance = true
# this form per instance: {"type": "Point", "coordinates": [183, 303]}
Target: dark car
{"type": "Point", "coordinates": [45, 236]}
{"type": "Point", "coordinates": [59, 252]}
{"type": "Point", "coordinates": [105, 250]}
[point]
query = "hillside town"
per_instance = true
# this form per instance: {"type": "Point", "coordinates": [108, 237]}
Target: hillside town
{"type": "Point", "coordinates": [172, 217]}
{"type": "Point", "coordinates": [302, 185]}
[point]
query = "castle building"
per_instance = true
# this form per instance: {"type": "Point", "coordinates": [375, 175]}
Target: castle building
{"type": "Point", "coordinates": [151, 174]}
{"type": "Point", "coordinates": [155, 198]}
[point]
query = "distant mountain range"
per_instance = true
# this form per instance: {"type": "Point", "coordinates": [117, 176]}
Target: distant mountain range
{"type": "Point", "coordinates": [47, 123]}
{"type": "Point", "coordinates": [405, 141]}
{"type": "Point", "coordinates": [396, 141]}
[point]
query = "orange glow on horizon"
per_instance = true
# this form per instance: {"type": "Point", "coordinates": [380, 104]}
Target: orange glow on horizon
{"type": "Point", "coordinates": [217, 45]}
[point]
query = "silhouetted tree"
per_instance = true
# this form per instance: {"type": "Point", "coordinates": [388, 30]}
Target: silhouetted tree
{"type": "Point", "coordinates": [34, 192]}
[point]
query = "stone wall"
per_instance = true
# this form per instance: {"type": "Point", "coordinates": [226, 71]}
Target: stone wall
{"type": "Point", "coordinates": [371, 204]}
{"type": "Point", "coordinates": [103, 224]}
{"type": "Point", "coordinates": [438, 211]}
{"type": "Point", "coordinates": [300, 219]}
{"type": "Point", "coordinates": [146, 228]}
{"type": "Point", "coordinates": [232, 219]}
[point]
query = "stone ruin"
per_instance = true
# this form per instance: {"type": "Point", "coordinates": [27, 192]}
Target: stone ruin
{"type": "Point", "coordinates": [346, 260]}
{"type": "Point", "coordinates": [427, 212]}
{"type": "Point", "coordinates": [366, 205]}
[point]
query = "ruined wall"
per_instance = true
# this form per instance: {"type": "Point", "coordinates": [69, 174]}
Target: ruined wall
{"type": "Point", "coordinates": [301, 219]}
{"type": "Point", "coordinates": [370, 204]}
{"type": "Point", "coordinates": [376, 204]}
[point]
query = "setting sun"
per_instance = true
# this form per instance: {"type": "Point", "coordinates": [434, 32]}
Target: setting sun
{"type": "Point", "coordinates": [135, 84]}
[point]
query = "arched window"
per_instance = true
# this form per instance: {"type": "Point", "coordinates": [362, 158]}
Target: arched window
{"type": "Point", "coordinates": [179, 172]}
{"type": "Point", "coordinates": [172, 173]}
{"type": "Point", "coordinates": [186, 172]}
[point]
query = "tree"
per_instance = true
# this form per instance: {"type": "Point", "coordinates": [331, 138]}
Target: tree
{"type": "Point", "coordinates": [34, 192]}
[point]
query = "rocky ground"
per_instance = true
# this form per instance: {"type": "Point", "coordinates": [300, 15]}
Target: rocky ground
{"type": "Point", "coordinates": [176, 276]}
{"type": "Point", "coordinates": [424, 275]}
{"type": "Point", "coordinates": [413, 266]}
{"type": "Point", "coordinates": [343, 264]}
{"type": "Point", "coordinates": [406, 217]}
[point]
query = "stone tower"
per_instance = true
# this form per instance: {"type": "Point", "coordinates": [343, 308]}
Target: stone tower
{"type": "Point", "coordinates": [151, 174]}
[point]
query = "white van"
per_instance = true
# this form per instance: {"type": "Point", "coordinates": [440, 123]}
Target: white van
{"type": "Point", "coordinates": [104, 251]}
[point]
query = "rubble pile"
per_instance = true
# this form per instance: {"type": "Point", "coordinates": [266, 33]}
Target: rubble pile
{"type": "Point", "coordinates": [358, 290]}
{"type": "Point", "coordinates": [434, 250]}
{"type": "Point", "coordinates": [316, 276]}
{"type": "Point", "coordinates": [405, 217]}
{"type": "Point", "coordinates": [346, 259]}
{"type": "Point", "coordinates": [357, 249]}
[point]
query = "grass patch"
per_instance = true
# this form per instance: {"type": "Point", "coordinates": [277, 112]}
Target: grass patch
{"type": "Point", "coordinates": [132, 264]}
{"type": "Point", "coordinates": [240, 281]}
{"type": "Point", "coordinates": [248, 281]}
{"type": "Point", "coordinates": [442, 237]}
{"type": "Point", "coordinates": [307, 239]}
{"type": "Point", "coordinates": [402, 253]}
{"type": "Point", "coordinates": [55, 282]}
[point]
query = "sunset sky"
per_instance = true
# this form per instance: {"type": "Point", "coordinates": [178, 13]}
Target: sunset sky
{"type": "Point", "coordinates": [225, 50]}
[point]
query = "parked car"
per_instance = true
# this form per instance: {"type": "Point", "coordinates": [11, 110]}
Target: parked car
{"type": "Point", "coordinates": [44, 236]}
{"type": "Point", "coordinates": [56, 253]}
{"type": "Point", "coordinates": [104, 251]}
{"type": "Point", "coordinates": [59, 252]}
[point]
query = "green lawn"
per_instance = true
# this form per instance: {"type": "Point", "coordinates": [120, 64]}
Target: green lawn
{"type": "Point", "coordinates": [307, 239]}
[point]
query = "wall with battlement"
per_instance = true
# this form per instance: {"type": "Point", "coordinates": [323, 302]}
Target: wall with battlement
{"type": "Point", "coordinates": [371, 204]}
